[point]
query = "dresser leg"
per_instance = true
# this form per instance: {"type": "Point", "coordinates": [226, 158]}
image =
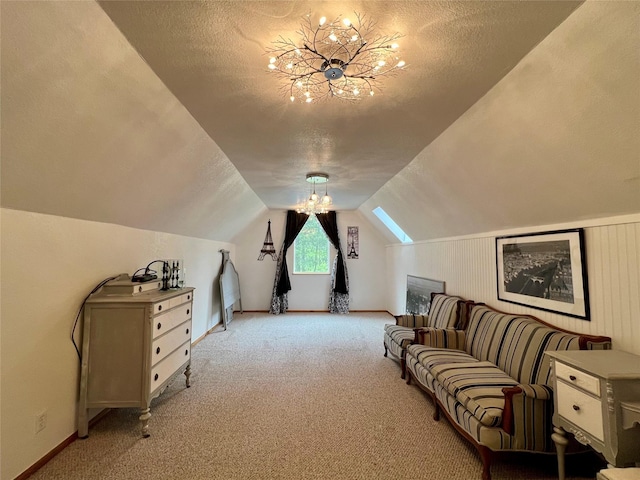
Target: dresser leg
{"type": "Point", "coordinates": [145, 415]}
{"type": "Point", "coordinates": [83, 423]}
{"type": "Point", "coordinates": [559, 437]}
{"type": "Point", "coordinates": [187, 373]}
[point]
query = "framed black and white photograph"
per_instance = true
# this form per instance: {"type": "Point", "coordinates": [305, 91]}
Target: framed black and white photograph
{"type": "Point", "coordinates": [353, 243]}
{"type": "Point", "coordinates": [544, 270]}
{"type": "Point", "coordinates": [419, 294]}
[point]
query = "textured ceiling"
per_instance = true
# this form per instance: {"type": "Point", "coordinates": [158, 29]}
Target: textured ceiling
{"type": "Point", "coordinates": [211, 55]}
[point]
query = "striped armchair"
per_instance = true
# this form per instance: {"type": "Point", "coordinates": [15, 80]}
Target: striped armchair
{"type": "Point", "coordinates": [445, 312]}
{"type": "Point", "coordinates": [494, 385]}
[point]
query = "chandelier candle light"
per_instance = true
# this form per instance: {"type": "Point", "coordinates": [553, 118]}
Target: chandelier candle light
{"type": "Point", "coordinates": [335, 59]}
{"type": "Point", "coordinates": [314, 204]}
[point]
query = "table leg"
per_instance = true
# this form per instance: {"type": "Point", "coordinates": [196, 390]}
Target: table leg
{"type": "Point", "coordinates": [559, 437]}
{"type": "Point", "coordinates": [187, 373]}
{"type": "Point", "coordinates": [145, 415]}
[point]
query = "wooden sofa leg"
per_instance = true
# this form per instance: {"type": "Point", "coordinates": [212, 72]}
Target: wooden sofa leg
{"type": "Point", "coordinates": [486, 455]}
{"type": "Point", "coordinates": [403, 366]}
{"type": "Point", "coordinates": [436, 406]}
{"type": "Point", "coordinates": [385, 349]}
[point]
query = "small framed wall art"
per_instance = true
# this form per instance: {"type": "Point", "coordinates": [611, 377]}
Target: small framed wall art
{"type": "Point", "coordinates": [353, 243]}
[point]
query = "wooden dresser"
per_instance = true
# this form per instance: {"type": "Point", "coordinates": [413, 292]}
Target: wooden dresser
{"type": "Point", "coordinates": [597, 399]}
{"type": "Point", "coordinates": [136, 339]}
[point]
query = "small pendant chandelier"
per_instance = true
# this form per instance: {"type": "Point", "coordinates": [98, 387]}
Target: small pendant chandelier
{"type": "Point", "coordinates": [316, 204]}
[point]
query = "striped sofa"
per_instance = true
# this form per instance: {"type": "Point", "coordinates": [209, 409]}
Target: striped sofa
{"type": "Point", "coordinates": [492, 380]}
{"type": "Point", "coordinates": [445, 312]}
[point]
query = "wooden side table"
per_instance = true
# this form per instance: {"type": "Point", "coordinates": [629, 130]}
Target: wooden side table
{"type": "Point", "coordinates": [597, 399]}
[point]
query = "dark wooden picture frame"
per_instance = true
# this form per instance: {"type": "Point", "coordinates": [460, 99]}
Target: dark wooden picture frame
{"type": "Point", "coordinates": [545, 270]}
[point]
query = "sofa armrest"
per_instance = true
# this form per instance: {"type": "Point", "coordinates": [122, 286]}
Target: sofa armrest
{"type": "Point", "coordinates": [412, 321]}
{"type": "Point", "coordinates": [527, 415]}
{"type": "Point", "coordinates": [441, 337]}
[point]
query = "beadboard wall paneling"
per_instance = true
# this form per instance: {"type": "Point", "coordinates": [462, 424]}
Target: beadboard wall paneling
{"type": "Point", "coordinates": [468, 266]}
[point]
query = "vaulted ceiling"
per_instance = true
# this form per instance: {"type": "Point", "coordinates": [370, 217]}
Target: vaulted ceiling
{"type": "Point", "coordinates": [162, 115]}
{"type": "Point", "coordinates": [211, 55]}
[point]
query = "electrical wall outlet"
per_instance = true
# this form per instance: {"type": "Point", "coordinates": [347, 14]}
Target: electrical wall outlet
{"type": "Point", "coordinates": [41, 421]}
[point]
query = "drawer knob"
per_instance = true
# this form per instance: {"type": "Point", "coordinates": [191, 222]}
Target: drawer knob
{"type": "Point", "coordinates": [186, 352]}
{"type": "Point", "coordinates": [188, 297]}
{"type": "Point", "coordinates": [159, 325]}
{"type": "Point", "coordinates": [187, 330]}
{"type": "Point", "coordinates": [576, 408]}
{"type": "Point", "coordinates": [155, 377]}
{"type": "Point", "coordinates": [158, 351]}
{"type": "Point", "coordinates": [159, 307]}
{"type": "Point", "coordinates": [572, 378]}
{"type": "Point", "coordinates": [140, 289]}
{"type": "Point", "coordinates": [187, 311]}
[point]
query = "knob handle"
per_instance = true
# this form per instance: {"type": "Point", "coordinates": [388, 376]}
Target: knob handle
{"type": "Point", "coordinates": [158, 351]}
{"type": "Point", "coordinates": [187, 331]}
{"type": "Point", "coordinates": [159, 325]}
{"type": "Point", "coordinates": [186, 352]}
{"type": "Point", "coordinates": [159, 307]}
{"type": "Point", "coordinates": [155, 377]}
{"type": "Point", "coordinates": [572, 378]}
{"type": "Point", "coordinates": [576, 407]}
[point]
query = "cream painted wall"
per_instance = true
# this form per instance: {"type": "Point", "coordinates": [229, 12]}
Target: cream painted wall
{"type": "Point", "coordinates": [468, 266]}
{"type": "Point", "coordinates": [367, 275]}
{"type": "Point", "coordinates": [49, 264]}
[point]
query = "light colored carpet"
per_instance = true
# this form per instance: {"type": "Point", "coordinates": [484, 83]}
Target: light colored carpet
{"type": "Point", "coordinates": [295, 396]}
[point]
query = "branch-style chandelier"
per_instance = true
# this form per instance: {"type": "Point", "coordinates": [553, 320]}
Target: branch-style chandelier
{"type": "Point", "coordinates": [337, 59]}
{"type": "Point", "coordinates": [316, 204]}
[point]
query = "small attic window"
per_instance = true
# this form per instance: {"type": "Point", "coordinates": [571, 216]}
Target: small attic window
{"type": "Point", "coordinates": [391, 225]}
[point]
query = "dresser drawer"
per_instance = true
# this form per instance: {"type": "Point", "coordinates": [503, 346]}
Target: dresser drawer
{"type": "Point", "coordinates": [581, 409]}
{"type": "Point", "coordinates": [167, 367]}
{"type": "Point", "coordinates": [180, 299]}
{"type": "Point", "coordinates": [167, 321]}
{"type": "Point", "coordinates": [167, 343]}
{"type": "Point", "coordinates": [578, 378]}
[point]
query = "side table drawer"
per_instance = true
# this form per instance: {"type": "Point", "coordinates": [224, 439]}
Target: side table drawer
{"type": "Point", "coordinates": [580, 409]}
{"type": "Point", "coordinates": [577, 377]}
{"type": "Point", "coordinates": [167, 367]}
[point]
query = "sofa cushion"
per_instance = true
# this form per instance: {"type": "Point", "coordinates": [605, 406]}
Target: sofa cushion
{"type": "Point", "coordinates": [401, 336]}
{"type": "Point", "coordinates": [515, 343]}
{"type": "Point", "coordinates": [444, 311]}
{"type": "Point", "coordinates": [429, 357]}
{"type": "Point", "coordinates": [491, 437]}
{"type": "Point", "coordinates": [476, 385]}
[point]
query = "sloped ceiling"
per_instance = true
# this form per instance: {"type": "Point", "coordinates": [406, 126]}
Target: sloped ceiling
{"type": "Point", "coordinates": [556, 141]}
{"type": "Point", "coordinates": [211, 55]}
{"type": "Point", "coordinates": [90, 132]}
{"type": "Point", "coordinates": [162, 115]}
